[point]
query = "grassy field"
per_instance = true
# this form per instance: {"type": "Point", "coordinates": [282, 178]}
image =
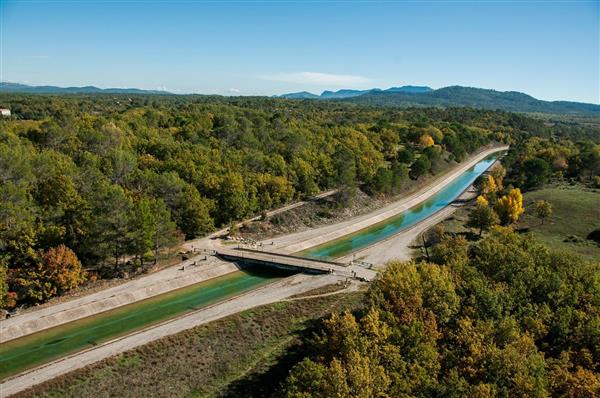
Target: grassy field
{"type": "Point", "coordinates": [576, 214]}
{"type": "Point", "coordinates": [244, 355]}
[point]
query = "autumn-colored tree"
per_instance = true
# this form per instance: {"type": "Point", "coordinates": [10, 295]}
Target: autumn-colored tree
{"type": "Point", "coordinates": [58, 271]}
{"type": "Point", "coordinates": [498, 172]}
{"type": "Point", "coordinates": [510, 206]}
{"type": "Point", "coordinates": [543, 210]}
{"type": "Point", "coordinates": [64, 268]}
{"type": "Point", "coordinates": [482, 216]}
{"type": "Point", "coordinates": [450, 249]}
{"type": "Point", "coordinates": [436, 134]}
{"type": "Point", "coordinates": [426, 141]}
{"type": "Point", "coordinates": [490, 186]}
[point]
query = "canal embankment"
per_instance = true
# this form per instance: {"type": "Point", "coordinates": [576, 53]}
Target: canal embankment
{"type": "Point", "coordinates": [182, 275]}
{"type": "Point", "coordinates": [301, 241]}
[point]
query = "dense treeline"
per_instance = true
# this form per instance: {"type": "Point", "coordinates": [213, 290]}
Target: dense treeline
{"type": "Point", "coordinates": [532, 162]}
{"type": "Point", "coordinates": [105, 178]}
{"type": "Point", "coordinates": [502, 317]}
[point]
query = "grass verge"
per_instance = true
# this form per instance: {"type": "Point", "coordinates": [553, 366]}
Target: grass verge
{"type": "Point", "coordinates": [576, 213]}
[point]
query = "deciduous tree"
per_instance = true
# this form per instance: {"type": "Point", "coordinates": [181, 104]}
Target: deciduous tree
{"type": "Point", "coordinates": [543, 210]}
{"type": "Point", "coordinates": [482, 216]}
{"type": "Point", "coordinates": [510, 206]}
{"type": "Point", "coordinates": [58, 271]}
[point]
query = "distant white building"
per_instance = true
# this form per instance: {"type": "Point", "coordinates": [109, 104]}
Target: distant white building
{"type": "Point", "coordinates": [4, 112]}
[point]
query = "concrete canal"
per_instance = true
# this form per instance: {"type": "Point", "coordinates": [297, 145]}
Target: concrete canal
{"type": "Point", "coordinates": [386, 228]}
{"type": "Point", "coordinates": [38, 348]}
{"type": "Point", "coordinates": [42, 347]}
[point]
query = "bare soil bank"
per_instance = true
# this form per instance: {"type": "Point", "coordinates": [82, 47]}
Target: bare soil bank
{"type": "Point", "coordinates": [330, 210]}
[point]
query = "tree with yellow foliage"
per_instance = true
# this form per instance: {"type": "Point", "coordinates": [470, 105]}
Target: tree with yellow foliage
{"type": "Point", "coordinates": [490, 186]}
{"type": "Point", "coordinates": [498, 172]}
{"type": "Point", "coordinates": [482, 216]}
{"type": "Point", "coordinates": [543, 210]}
{"type": "Point", "coordinates": [426, 141]}
{"type": "Point", "coordinates": [510, 206]}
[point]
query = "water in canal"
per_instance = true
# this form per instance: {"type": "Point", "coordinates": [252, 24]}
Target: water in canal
{"type": "Point", "coordinates": [386, 228]}
{"type": "Point", "coordinates": [38, 348]}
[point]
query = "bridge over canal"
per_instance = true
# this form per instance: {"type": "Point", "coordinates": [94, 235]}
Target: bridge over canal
{"type": "Point", "coordinates": [287, 261]}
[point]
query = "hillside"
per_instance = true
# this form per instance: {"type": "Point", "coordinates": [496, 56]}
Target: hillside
{"type": "Point", "coordinates": [7, 87]}
{"type": "Point", "coordinates": [477, 98]}
{"type": "Point", "coordinates": [347, 93]}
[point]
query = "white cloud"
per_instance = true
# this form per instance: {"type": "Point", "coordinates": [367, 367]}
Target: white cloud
{"type": "Point", "coordinates": [322, 79]}
{"type": "Point", "coordinates": [234, 91]}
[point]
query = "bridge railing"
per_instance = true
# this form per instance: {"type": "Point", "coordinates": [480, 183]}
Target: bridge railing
{"type": "Point", "coordinates": [316, 260]}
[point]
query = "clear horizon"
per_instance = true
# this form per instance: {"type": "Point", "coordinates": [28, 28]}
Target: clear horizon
{"type": "Point", "coordinates": [547, 50]}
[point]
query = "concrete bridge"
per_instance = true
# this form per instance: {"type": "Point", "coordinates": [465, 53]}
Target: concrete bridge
{"type": "Point", "coordinates": [286, 261]}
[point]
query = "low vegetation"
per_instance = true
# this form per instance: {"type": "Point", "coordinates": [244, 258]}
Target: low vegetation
{"type": "Point", "coordinates": [575, 215]}
{"type": "Point", "coordinates": [244, 355]}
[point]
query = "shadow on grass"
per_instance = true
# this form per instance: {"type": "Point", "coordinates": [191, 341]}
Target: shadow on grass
{"type": "Point", "coordinates": [522, 230]}
{"type": "Point", "coordinates": [267, 382]}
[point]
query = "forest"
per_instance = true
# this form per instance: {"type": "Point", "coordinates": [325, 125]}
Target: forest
{"type": "Point", "coordinates": [500, 317]}
{"type": "Point", "coordinates": [90, 183]}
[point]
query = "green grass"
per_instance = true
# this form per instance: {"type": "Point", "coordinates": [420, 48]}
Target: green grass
{"type": "Point", "coordinates": [576, 214]}
{"type": "Point", "coordinates": [243, 355]}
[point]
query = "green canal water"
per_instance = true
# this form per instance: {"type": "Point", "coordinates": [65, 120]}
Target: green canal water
{"type": "Point", "coordinates": [38, 348]}
{"type": "Point", "coordinates": [386, 228]}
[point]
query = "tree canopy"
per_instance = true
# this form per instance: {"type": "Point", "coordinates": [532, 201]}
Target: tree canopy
{"type": "Point", "coordinates": [508, 318]}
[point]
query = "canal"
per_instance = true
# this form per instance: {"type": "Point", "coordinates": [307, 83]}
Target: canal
{"type": "Point", "coordinates": [47, 345]}
{"type": "Point", "coordinates": [386, 228]}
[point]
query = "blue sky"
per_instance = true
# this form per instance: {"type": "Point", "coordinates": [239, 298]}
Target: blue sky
{"type": "Point", "coordinates": [547, 49]}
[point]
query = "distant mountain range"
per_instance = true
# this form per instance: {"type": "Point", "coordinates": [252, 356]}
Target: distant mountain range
{"type": "Point", "coordinates": [405, 96]}
{"type": "Point", "coordinates": [7, 87]}
{"type": "Point", "coordinates": [347, 93]}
